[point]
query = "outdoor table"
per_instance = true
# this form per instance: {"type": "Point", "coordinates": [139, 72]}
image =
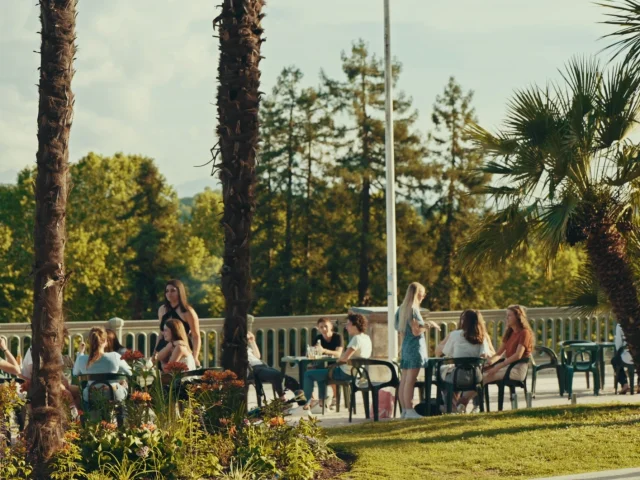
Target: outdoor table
{"type": "Point", "coordinates": [303, 363]}
{"type": "Point", "coordinates": [603, 346]}
{"type": "Point", "coordinates": [432, 366]}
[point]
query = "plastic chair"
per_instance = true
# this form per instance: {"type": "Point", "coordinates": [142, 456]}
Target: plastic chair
{"type": "Point", "coordinates": [570, 364]}
{"type": "Point", "coordinates": [507, 382]}
{"type": "Point", "coordinates": [553, 363]}
{"type": "Point", "coordinates": [102, 383]}
{"type": "Point", "coordinates": [562, 345]}
{"type": "Point", "coordinates": [471, 365]}
{"type": "Point", "coordinates": [631, 372]}
{"type": "Point", "coordinates": [361, 382]}
{"type": "Point", "coordinates": [342, 387]}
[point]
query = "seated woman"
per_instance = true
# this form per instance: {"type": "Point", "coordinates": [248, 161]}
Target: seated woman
{"type": "Point", "coordinates": [177, 347]}
{"type": "Point", "coordinates": [517, 343]}
{"type": "Point", "coordinates": [469, 341]}
{"type": "Point", "coordinates": [113, 344]}
{"type": "Point", "coordinates": [359, 347]}
{"type": "Point", "coordinates": [262, 372]}
{"type": "Point", "coordinates": [330, 345]}
{"type": "Point", "coordinates": [101, 361]}
{"type": "Point", "coordinates": [9, 364]}
{"type": "Point", "coordinates": [618, 360]}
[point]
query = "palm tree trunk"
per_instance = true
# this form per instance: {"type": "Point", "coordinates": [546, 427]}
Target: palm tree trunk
{"type": "Point", "coordinates": [607, 250]}
{"type": "Point", "coordinates": [238, 103]}
{"type": "Point", "coordinates": [55, 112]}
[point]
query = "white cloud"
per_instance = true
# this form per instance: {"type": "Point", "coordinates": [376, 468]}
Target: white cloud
{"type": "Point", "coordinates": [146, 70]}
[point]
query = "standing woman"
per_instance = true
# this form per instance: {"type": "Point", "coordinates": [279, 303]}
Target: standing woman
{"type": "Point", "coordinates": [176, 306]}
{"type": "Point", "coordinates": [411, 327]}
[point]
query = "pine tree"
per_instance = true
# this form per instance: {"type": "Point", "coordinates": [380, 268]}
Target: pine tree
{"type": "Point", "coordinates": [361, 97]}
{"type": "Point", "coordinates": [454, 209]}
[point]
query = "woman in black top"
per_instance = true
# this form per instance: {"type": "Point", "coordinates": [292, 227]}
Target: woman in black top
{"type": "Point", "coordinates": [176, 306]}
{"type": "Point", "coordinates": [331, 343]}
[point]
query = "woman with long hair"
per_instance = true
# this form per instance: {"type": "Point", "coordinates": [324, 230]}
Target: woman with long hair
{"type": "Point", "coordinates": [517, 343]}
{"type": "Point", "coordinates": [113, 344]}
{"type": "Point", "coordinates": [101, 361]}
{"type": "Point", "coordinates": [411, 327]}
{"type": "Point", "coordinates": [177, 307]}
{"type": "Point", "coordinates": [469, 341]}
{"type": "Point", "coordinates": [177, 348]}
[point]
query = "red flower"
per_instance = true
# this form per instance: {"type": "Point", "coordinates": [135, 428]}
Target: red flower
{"type": "Point", "coordinates": [175, 367]}
{"type": "Point", "coordinates": [132, 355]}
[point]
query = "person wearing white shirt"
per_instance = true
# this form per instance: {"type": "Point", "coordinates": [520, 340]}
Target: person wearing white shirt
{"type": "Point", "coordinates": [619, 360]}
{"type": "Point", "coordinates": [262, 372]}
{"type": "Point", "coordinates": [359, 347]}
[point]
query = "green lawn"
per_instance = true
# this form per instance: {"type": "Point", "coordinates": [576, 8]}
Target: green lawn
{"type": "Point", "coordinates": [526, 443]}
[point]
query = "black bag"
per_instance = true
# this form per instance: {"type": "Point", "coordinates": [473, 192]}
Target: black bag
{"type": "Point", "coordinates": [291, 383]}
{"type": "Point", "coordinates": [427, 411]}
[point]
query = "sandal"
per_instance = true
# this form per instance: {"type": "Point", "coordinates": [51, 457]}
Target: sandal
{"type": "Point", "coordinates": [311, 404]}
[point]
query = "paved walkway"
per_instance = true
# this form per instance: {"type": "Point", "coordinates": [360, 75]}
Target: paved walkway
{"type": "Point", "coordinates": [627, 473]}
{"type": "Point", "coordinates": [547, 395]}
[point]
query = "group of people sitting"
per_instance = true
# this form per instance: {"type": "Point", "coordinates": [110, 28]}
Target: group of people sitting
{"type": "Point", "coordinates": [179, 341]}
{"type": "Point", "coordinates": [470, 340]}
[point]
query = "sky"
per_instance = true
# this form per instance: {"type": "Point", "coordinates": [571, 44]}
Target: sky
{"type": "Point", "coordinates": [145, 79]}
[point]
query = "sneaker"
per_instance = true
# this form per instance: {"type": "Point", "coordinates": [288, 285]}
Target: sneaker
{"type": "Point", "coordinates": [476, 409]}
{"type": "Point", "coordinates": [411, 413]}
{"type": "Point", "coordinates": [461, 408]}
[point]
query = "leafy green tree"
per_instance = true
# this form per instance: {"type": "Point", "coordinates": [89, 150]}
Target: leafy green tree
{"type": "Point", "coordinates": [455, 208]}
{"type": "Point", "coordinates": [361, 98]}
{"type": "Point", "coordinates": [568, 175]}
{"type": "Point", "coordinates": [155, 208]}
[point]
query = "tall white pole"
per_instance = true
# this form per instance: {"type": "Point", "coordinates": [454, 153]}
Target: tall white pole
{"type": "Point", "coordinates": [392, 291]}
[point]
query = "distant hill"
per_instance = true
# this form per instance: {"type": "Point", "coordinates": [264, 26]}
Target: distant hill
{"type": "Point", "coordinates": [192, 187]}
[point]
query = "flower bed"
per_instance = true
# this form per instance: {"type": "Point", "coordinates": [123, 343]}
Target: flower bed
{"type": "Point", "coordinates": [178, 431]}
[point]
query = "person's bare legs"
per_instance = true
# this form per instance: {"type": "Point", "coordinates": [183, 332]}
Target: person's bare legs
{"type": "Point", "coordinates": [409, 376]}
{"type": "Point", "coordinates": [403, 379]}
{"type": "Point", "coordinates": [468, 396]}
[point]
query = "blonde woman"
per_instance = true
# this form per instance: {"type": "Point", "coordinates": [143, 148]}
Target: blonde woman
{"type": "Point", "coordinates": [411, 327]}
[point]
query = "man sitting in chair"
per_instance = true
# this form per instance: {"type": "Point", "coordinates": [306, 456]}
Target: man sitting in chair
{"type": "Point", "coordinates": [359, 347]}
{"type": "Point", "coordinates": [262, 372]}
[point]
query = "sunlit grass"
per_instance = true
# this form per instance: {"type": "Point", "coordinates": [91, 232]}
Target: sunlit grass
{"type": "Point", "coordinates": [525, 443]}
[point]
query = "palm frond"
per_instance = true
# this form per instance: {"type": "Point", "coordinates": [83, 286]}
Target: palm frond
{"type": "Point", "coordinates": [499, 236]}
{"type": "Point", "coordinates": [619, 104]}
{"type": "Point", "coordinates": [495, 145]}
{"type": "Point", "coordinates": [626, 15]}
{"type": "Point", "coordinates": [586, 296]}
{"type": "Point", "coordinates": [553, 223]}
{"type": "Point", "coordinates": [531, 114]}
{"type": "Point", "coordinates": [627, 165]}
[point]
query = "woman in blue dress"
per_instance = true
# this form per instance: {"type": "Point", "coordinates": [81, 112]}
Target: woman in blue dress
{"type": "Point", "coordinates": [411, 327]}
